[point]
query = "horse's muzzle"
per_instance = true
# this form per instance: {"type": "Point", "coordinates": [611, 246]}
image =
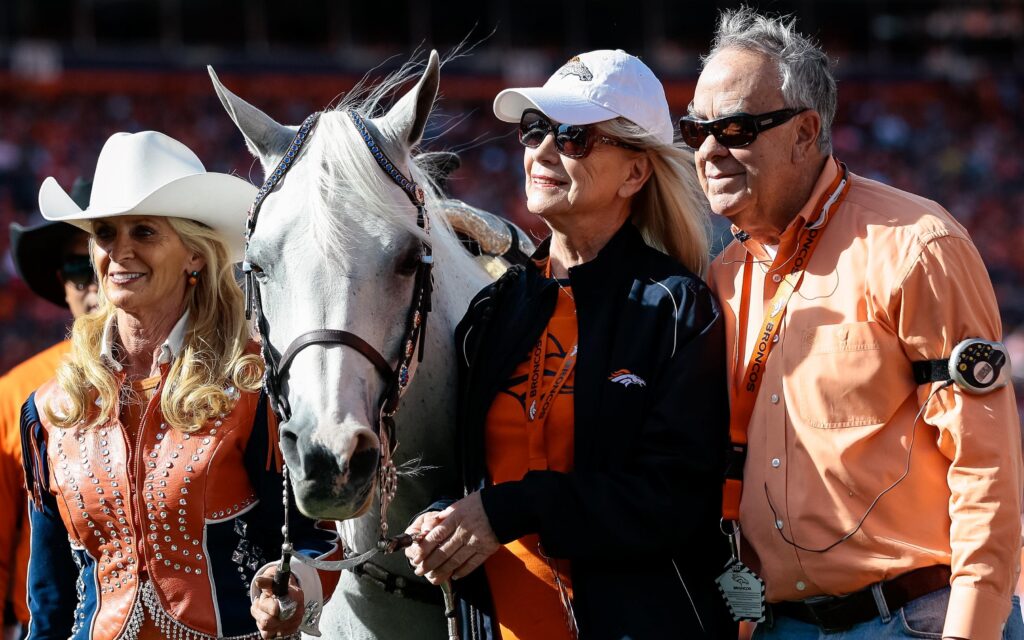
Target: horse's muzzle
{"type": "Point", "coordinates": [327, 484]}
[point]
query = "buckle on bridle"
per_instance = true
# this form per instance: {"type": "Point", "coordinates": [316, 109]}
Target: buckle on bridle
{"type": "Point", "coordinates": [249, 284]}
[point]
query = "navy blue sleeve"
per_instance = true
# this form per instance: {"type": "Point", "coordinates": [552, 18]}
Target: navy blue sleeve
{"type": "Point", "coordinates": [52, 572]}
{"type": "Point", "coordinates": [51, 575]}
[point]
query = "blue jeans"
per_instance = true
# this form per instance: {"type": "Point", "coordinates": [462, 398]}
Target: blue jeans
{"type": "Point", "coordinates": [920, 618]}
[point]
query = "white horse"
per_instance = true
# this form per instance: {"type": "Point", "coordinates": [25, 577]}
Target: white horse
{"type": "Point", "coordinates": [334, 248]}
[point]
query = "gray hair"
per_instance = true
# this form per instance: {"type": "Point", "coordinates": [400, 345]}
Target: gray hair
{"type": "Point", "coordinates": [804, 69]}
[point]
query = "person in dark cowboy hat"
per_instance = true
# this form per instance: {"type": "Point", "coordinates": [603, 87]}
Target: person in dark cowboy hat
{"type": "Point", "coordinates": [53, 260]}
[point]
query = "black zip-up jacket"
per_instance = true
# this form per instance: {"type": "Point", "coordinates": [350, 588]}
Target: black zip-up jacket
{"type": "Point", "coordinates": [638, 515]}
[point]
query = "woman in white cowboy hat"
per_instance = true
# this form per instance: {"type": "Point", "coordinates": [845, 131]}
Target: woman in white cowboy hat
{"type": "Point", "coordinates": [152, 452]}
{"type": "Point", "coordinates": [593, 410]}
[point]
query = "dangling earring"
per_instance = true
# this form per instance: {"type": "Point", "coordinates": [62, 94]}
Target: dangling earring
{"type": "Point", "coordinates": [193, 278]}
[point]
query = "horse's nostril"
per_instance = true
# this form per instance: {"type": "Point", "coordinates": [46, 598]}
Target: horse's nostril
{"type": "Point", "coordinates": [365, 440]}
{"type": "Point", "coordinates": [287, 434]}
{"type": "Point", "coordinates": [362, 464]}
{"type": "Point", "coordinates": [289, 444]}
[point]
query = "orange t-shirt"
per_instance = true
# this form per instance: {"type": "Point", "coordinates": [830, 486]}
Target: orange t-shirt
{"type": "Point", "coordinates": [526, 597]}
{"type": "Point", "coordinates": [15, 388]}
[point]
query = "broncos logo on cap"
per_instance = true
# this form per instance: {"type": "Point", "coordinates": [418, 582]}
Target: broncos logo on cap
{"type": "Point", "coordinates": [575, 67]}
{"type": "Point", "coordinates": [626, 378]}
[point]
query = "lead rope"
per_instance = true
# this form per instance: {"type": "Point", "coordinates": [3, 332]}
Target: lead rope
{"type": "Point", "coordinates": [449, 611]}
{"type": "Point", "coordinates": [289, 606]}
{"type": "Point", "coordinates": [284, 569]}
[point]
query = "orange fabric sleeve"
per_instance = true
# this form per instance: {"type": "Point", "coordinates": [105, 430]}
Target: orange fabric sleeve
{"type": "Point", "coordinates": [15, 388]}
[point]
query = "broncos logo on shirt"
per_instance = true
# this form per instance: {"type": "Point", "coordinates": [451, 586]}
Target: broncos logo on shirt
{"type": "Point", "coordinates": [626, 378]}
{"type": "Point", "coordinates": [554, 356]}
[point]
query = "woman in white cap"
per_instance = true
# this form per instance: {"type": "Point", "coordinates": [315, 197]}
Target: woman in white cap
{"type": "Point", "coordinates": [152, 453]}
{"type": "Point", "coordinates": [593, 409]}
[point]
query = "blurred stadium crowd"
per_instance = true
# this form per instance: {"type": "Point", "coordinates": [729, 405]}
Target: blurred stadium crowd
{"type": "Point", "coordinates": [956, 142]}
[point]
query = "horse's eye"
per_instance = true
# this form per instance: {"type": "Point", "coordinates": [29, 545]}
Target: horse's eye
{"type": "Point", "coordinates": [257, 271]}
{"type": "Point", "coordinates": [410, 262]}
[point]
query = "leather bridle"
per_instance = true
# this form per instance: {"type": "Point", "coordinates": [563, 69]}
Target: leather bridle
{"type": "Point", "coordinates": [397, 378]}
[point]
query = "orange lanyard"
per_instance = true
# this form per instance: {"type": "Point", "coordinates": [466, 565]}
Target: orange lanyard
{"type": "Point", "coordinates": [533, 393]}
{"type": "Point", "coordinates": [536, 412]}
{"type": "Point", "coordinates": [746, 389]}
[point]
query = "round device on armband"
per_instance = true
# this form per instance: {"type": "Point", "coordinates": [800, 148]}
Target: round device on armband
{"type": "Point", "coordinates": [975, 365]}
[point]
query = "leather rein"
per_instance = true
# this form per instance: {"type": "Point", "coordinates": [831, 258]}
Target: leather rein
{"type": "Point", "coordinates": [397, 378]}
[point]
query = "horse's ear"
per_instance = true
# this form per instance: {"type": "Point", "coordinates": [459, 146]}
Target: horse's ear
{"type": "Point", "coordinates": [408, 118]}
{"type": "Point", "coordinates": [440, 165]}
{"type": "Point", "coordinates": [265, 138]}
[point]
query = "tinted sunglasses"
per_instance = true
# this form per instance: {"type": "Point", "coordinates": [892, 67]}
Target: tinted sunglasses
{"type": "Point", "coordinates": [78, 271]}
{"type": "Point", "coordinates": [732, 131]}
{"type": "Point", "coordinates": [571, 140]}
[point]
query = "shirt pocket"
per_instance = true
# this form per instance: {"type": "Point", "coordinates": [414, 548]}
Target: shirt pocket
{"type": "Point", "coordinates": [846, 375]}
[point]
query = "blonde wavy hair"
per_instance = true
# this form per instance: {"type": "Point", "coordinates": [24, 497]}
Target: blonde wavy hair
{"type": "Point", "coordinates": [213, 354]}
{"type": "Point", "coordinates": [670, 210]}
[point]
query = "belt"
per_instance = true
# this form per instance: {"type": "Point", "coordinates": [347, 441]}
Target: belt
{"type": "Point", "coordinates": [838, 613]}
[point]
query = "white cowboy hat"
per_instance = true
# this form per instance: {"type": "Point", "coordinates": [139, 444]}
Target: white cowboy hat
{"type": "Point", "coordinates": [151, 174]}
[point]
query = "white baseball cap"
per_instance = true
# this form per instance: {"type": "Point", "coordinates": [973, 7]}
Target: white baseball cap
{"type": "Point", "coordinates": [594, 87]}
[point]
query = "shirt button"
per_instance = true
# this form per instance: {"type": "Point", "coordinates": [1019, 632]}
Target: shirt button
{"type": "Point", "coordinates": [778, 524]}
{"type": "Point", "coordinates": [776, 463]}
{"type": "Point", "coordinates": [800, 586]}
{"type": "Point", "coordinates": [775, 398]}
{"type": "Point", "coordinates": [776, 278]}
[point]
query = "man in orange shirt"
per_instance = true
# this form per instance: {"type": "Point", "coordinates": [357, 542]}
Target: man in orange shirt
{"type": "Point", "coordinates": [53, 260]}
{"type": "Point", "coordinates": [873, 501]}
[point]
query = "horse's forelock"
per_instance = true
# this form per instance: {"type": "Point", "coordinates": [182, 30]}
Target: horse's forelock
{"type": "Point", "coordinates": [351, 183]}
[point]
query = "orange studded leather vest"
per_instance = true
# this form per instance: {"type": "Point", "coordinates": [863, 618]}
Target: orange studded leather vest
{"type": "Point", "coordinates": [141, 504]}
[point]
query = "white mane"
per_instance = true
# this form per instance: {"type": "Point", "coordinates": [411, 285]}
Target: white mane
{"type": "Point", "coordinates": [350, 180]}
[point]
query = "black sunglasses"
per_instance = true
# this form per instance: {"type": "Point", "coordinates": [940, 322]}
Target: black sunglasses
{"type": "Point", "coordinates": [78, 271]}
{"type": "Point", "coordinates": [571, 140]}
{"type": "Point", "coordinates": [732, 131]}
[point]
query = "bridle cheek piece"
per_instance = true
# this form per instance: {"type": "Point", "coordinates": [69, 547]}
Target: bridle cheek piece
{"type": "Point", "coordinates": [397, 378]}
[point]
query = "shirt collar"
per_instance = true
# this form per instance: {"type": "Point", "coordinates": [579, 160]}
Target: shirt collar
{"type": "Point", "coordinates": [169, 350]}
{"type": "Point", "coordinates": [805, 216]}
